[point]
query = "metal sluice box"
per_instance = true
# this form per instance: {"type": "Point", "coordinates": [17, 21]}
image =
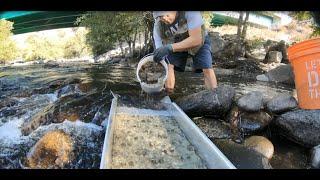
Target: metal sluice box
{"type": "Point", "coordinates": [210, 155]}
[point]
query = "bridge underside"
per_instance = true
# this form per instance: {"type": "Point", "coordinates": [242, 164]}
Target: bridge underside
{"type": "Point", "coordinates": [30, 21]}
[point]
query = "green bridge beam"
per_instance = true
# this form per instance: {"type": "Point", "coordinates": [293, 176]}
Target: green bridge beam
{"type": "Point", "coordinates": [30, 21]}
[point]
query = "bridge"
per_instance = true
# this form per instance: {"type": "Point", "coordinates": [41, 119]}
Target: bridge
{"type": "Point", "coordinates": [30, 21]}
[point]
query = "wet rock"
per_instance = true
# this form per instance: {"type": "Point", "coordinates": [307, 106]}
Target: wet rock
{"type": "Point", "coordinates": [233, 119]}
{"type": "Point", "coordinates": [282, 103]}
{"type": "Point", "coordinates": [43, 117]}
{"type": "Point", "coordinates": [315, 157]}
{"type": "Point", "coordinates": [254, 122]}
{"type": "Point", "coordinates": [214, 129]}
{"type": "Point", "coordinates": [300, 126]}
{"type": "Point", "coordinates": [115, 60]}
{"type": "Point", "coordinates": [58, 83]}
{"type": "Point", "coordinates": [85, 86]}
{"type": "Point", "coordinates": [216, 102]}
{"type": "Point", "coordinates": [241, 156]}
{"type": "Point", "coordinates": [53, 150]}
{"type": "Point", "coordinates": [7, 111]}
{"type": "Point", "coordinates": [68, 90]}
{"type": "Point", "coordinates": [86, 141]}
{"type": "Point", "coordinates": [281, 74]}
{"type": "Point", "coordinates": [261, 145]}
{"type": "Point", "coordinates": [251, 101]}
{"type": "Point", "coordinates": [51, 64]}
{"type": "Point", "coordinates": [274, 56]}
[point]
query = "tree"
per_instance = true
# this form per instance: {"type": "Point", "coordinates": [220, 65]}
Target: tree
{"type": "Point", "coordinates": [76, 45]}
{"type": "Point", "coordinates": [241, 31]}
{"type": "Point", "coordinates": [8, 49]}
{"type": "Point", "coordinates": [313, 16]}
{"type": "Point", "coordinates": [102, 34]}
{"type": "Point", "coordinates": [106, 29]}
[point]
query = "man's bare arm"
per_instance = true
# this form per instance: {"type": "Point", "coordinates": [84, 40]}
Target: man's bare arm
{"type": "Point", "coordinates": [194, 39]}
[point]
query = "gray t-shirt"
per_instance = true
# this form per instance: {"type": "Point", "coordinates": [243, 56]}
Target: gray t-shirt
{"type": "Point", "coordinates": [194, 20]}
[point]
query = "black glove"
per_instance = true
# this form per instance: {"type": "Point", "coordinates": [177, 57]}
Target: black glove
{"type": "Point", "coordinates": [161, 52]}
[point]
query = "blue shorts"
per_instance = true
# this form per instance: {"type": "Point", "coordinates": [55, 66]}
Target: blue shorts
{"type": "Point", "coordinates": [201, 60]}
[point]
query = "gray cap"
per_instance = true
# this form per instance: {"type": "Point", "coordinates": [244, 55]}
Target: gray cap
{"type": "Point", "coordinates": [159, 13]}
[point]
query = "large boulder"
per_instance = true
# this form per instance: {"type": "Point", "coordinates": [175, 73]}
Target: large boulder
{"type": "Point", "coordinates": [274, 56]}
{"type": "Point", "coordinates": [215, 102]}
{"type": "Point", "coordinates": [242, 157]}
{"type": "Point", "coordinates": [226, 46]}
{"type": "Point", "coordinates": [257, 54]}
{"type": "Point", "coordinates": [261, 145]}
{"type": "Point", "coordinates": [282, 103]}
{"type": "Point", "coordinates": [217, 43]}
{"type": "Point", "coordinates": [254, 122]}
{"type": "Point", "coordinates": [281, 47]}
{"type": "Point", "coordinates": [281, 74]}
{"type": "Point", "coordinates": [251, 102]}
{"type": "Point", "coordinates": [53, 150]}
{"type": "Point", "coordinates": [300, 126]}
{"type": "Point", "coordinates": [315, 157]}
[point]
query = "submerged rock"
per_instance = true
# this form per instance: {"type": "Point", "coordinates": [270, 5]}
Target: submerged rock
{"type": "Point", "coordinates": [216, 102]}
{"type": "Point", "coordinates": [261, 145]}
{"type": "Point", "coordinates": [301, 126]}
{"type": "Point", "coordinates": [241, 156]}
{"type": "Point", "coordinates": [254, 122]}
{"type": "Point", "coordinates": [251, 102]}
{"type": "Point", "coordinates": [214, 129]}
{"type": "Point", "coordinates": [53, 150]}
{"type": "Point", "coordinates": [282, 103]}
{"type": "Point", "coordinates": [86, 140]}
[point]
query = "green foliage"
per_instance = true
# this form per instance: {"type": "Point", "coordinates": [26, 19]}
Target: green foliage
{"type": "Point", "coordinates": [207, 17]}
{"type": "Point", "coordinates": [301, 15]}
{"type": "Point", "coordinates": [307, 15]}
{"type": "Point", "coordinates": [8, 49]}
{"type": "Point", "coordinates": [108, 28]}
{"type": "Point", "coordinates": [255, 43]}
{"type": "Point", "coordinates": [316, 31]}
{"type": "Point", "coordinates": [76, 46]}
{"type": "Point", "coordinates": [41, 46]}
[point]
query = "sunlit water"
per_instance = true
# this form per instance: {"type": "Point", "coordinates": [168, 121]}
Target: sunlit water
{"type": "Point", "coordinates": [29, 90]}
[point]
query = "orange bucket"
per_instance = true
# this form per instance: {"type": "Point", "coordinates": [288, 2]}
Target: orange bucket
{"type": "Point", "coordinates": [305, 61]}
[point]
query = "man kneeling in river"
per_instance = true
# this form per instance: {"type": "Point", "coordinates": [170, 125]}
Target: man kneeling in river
{"type": "Point", "coordinates": [178, 34]}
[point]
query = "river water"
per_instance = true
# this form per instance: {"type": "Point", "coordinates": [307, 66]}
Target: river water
{"type": "Point", "coordinates": [76, 98]}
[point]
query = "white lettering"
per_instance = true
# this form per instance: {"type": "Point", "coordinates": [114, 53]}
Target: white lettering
{"type": "Point", "coordinates": [312, 65]}
{"type": "Point", "coordinates": [310, 93]}
{"type": "Point", "coordinates": [316, 79]}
